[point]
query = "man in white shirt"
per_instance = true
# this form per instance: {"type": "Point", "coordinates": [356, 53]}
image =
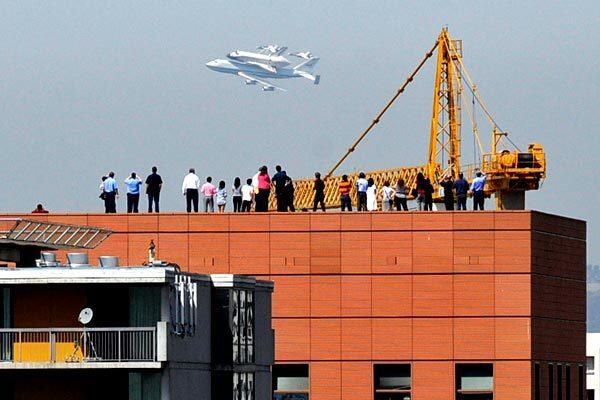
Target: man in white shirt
{"type": "Point", "coordinates": [247, 195]}
{"type": "Point", "coordinates": [191, 184]}
{"type": "Point", "coordinates": [361, 192]}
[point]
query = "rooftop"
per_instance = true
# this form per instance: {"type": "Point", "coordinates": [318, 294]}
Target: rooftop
{"type": "Point", "coordinates": [119, 275]}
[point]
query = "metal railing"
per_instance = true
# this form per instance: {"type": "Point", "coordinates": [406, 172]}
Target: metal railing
{"type": "Point", "coordinates": [78, 345]}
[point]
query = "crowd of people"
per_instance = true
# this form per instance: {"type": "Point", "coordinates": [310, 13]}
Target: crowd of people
{"type": "Point", "coordinates": [255, 193]}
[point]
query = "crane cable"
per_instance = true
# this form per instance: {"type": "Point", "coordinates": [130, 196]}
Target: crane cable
{"type": "Point", "coordinates": [471, 113]}
{"type": "Point", "coordinates": [473, 88]}
{"type": "Point", "coordinates": [388, 105]}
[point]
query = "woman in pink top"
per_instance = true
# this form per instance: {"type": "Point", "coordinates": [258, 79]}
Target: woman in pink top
{"type": "Point", "coordinates": [264, 189]}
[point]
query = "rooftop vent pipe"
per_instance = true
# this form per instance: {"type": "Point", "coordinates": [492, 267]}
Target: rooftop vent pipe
{"type": "Point", "coordinates": [78, 260]}
{"type": "Point", "coordinates": [108, 261]}
{"type": "Point", "coordinates": [47, 259]}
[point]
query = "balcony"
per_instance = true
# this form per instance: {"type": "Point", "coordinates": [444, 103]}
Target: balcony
{"type": "Point", "coordinates": [79, 348]}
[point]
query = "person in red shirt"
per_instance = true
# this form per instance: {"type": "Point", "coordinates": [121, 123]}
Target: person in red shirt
{"type": "Point", "coordinates": [344, 189]}
{"type": "Point", "coordinates": [264, 190]}
{"type": "Point", "coordinates": [39, 210]}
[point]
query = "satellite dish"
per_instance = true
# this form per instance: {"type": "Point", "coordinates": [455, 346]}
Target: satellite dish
{"type": "Point", "coordinates": [85, 316]}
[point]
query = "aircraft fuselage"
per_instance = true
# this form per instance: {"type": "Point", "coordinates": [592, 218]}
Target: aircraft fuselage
{"type": "Point", "coordinates": [234, 67]}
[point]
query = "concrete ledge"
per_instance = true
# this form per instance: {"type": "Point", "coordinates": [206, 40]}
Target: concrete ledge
{"type": "Point", "coordinates": [79, 365]}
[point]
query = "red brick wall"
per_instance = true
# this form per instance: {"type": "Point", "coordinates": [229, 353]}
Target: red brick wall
{"type": "Point", "coordinates": [429, 289]}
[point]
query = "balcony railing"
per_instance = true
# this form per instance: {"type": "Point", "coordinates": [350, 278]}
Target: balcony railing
{"type": "Point", "coordinates": [78, 345]}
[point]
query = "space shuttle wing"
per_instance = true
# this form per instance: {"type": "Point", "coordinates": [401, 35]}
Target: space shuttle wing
{"type": "Point", "coordinates": [266, 67]}
{"type": "Point", "coordinates": [257, 80]}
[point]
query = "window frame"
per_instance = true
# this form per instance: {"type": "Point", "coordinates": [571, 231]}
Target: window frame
{"type": "Point", "coordinates": [292, 392]}
{"type": "Point", "coordinates": [400, 393]}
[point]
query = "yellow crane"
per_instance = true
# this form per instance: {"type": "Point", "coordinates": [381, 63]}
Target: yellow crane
{"type": "Point", "coordinates": [510, 173]}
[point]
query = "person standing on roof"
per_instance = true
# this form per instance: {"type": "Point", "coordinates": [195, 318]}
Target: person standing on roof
{"type": "Point", "coordinates": [209, 191]}
{"type": "Point", "coordinates": [387, 196]}
{"type": "Point", "coordinates": [461, 186]}
{"type": "Point", "coordinates": [477, 187]}
{"type": "Point", "coordinates": [263, 182]}
{"type": "Point", "coordinates": [400, 196]}
{"type": "Point", "coordinates": [133, 184]}
{"type": "Point", "coordinates": [420, 191]}
{"type": "Point", "coordinates": [361, 192]}
{"type": "Point", "coordinates": [247, 195]}
{"type": "Point", "coordinates": [344, 189]}
{"type": "Point", "coordinates": [428, 203]}
{"type": "Point", "coordinates": [111, 193]}
{"type": "Point", "coordinates": [278, 181]}
{"type": "Point", "coordinates": [189, 188]}
{"type": "Point", "coordinates": [153, 186]}
{"type": "Point", "coordinates": [371, 195]}
{"type": "Point", "coordinates": [289, 193]}
{"type": "Point", "coordinates": [221, 197]}
{"type": "Point", "coordinates": [448, 184]}
{"type": "Point", "coordinates": [40, 210]}
{"type": "Point", "coordinates": [319, 189]}
{"type": "Point", "coordinates": [236, 194]}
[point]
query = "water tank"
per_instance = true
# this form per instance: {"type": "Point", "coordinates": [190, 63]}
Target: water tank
{"type": "Point", "coordinates": [108, 261]}
{"type": "Point", "coordinates": [78, 260]}
{"type": "Point", "coordinates": [47, 259]}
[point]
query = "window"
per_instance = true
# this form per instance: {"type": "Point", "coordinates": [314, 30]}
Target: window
{"type": "Point", "coordinates": [568, 382]}
{"type": "Point", "coordinates": [580, 383]}
{"type": "Point", "coordinates": [392, 381]}
{"type": "Point", "coordinates": [233, 326]}
{"type": "Point", "coordinates": [474, 381]}
{"type": "Point", "coordinates": [232, 385]}
{"type": "Point", "coordinates": [536, 378]}
{"type": "Point", "coordinates": [559, 382]}
{"type": "Point", "coordinates": [590, 394]}
{"type": "Point", "coordinates": [290, 382]}
{"type": "Point", "coordinates": [550, 382]}
{"type": "Point", "coordinates": [590, 364]}
{"type": "Point", "coordinates": [243, 386]}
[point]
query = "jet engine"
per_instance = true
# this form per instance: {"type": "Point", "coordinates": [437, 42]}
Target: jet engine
{"type": "Point", "coordinates": [268, 88]}
{"type": "Point", "coordinates": [249, 82]}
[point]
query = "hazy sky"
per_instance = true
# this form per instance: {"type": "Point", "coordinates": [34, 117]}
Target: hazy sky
{"type": "Point", "coordinates": [87, 87]}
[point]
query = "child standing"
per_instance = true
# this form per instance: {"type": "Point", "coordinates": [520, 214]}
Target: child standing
{"type": "Point", "coordinates": [221, 196]}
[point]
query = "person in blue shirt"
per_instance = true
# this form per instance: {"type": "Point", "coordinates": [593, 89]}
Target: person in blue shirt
{"type": "Point", "coordinates": [461, 187]}
{"type": "Point", "coordinates": [110, 191]}
{"type": "Point", "coordinates": [278, 181]}
{"type": "Point", "coordinates": [477, 187]}
{"type": "Point", "coordinates": [133, 184]}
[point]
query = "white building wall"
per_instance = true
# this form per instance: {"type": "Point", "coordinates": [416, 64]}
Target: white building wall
{"type": "Point", "coordinates": [593, 369]}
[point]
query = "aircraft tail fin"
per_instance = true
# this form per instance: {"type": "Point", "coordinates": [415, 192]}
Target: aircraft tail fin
{"type": "Point", "coordinates": [307, 65]}
{"type": "Point", "coordinates": [315, 78]}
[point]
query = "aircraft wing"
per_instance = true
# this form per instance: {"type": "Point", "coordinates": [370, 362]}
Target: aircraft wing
{"type": "Point", "coordinates": [262, 82]}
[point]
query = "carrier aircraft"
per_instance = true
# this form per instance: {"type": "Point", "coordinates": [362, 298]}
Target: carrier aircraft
{"type": "Point", "coordinates": [266, 63]}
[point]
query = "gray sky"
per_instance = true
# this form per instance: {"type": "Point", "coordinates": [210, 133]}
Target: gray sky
{"type": "Point", "coordinates": [86, 87]}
